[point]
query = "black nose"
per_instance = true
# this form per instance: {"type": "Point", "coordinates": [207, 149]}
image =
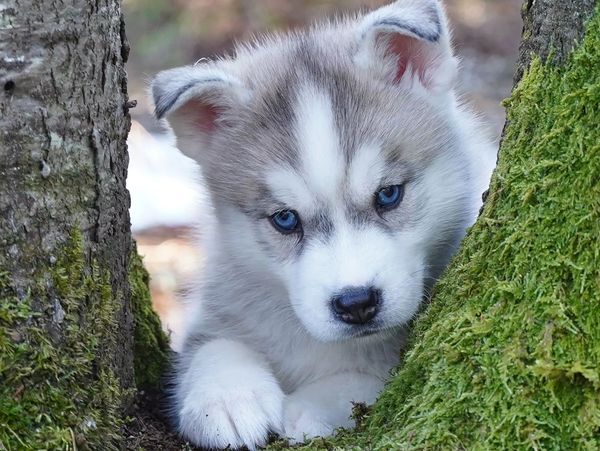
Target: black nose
{"type": "Point", "coordinates": [356, 305]}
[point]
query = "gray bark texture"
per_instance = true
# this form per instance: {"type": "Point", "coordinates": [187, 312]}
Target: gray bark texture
{"type": "Point", "coordinates": [63, 129]}
{"type": "Point", "coordinates": [551, 27]}
{"type": "Point", "coordinates": [65, 301]}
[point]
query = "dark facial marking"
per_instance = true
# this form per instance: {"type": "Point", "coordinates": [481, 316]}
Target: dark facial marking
{"type": "Point", "coordinates": [276, 108]}
{"type": "Point", "coordinates": [319, 227]}
{"type": "Point", "coordinates": [348, 97]}
{"type": "Point", "coordinates": [274, 114]}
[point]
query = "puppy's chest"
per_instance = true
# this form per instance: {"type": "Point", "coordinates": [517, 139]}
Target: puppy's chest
{"type": "Point", "coordinates": [299, 365]}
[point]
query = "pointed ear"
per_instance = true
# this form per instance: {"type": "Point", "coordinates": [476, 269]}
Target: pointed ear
{"type": "Point", "coordinates": [408, 42]}
{"type": "Point", "coordinates": [196, 101]}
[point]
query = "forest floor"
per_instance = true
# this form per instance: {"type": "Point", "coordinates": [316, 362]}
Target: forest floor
{"type": "Point", "coordinates": [149, 428]}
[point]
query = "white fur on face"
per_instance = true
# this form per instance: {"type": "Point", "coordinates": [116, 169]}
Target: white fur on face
{"type": "Point", "coordinates": [356, 257]}
{"type": "Point", "coordinates": [290, 189]}
{"type": "Point", "coordinates": [322, 165]}
{"type": "Point", "coordinates": [365, 173]}
{"type": "Point", "coordinates": [318, 139]}
{"type": "Point", "coordinates": [367, 255]}
{"type": "Point", "coordinates": [353, 256]}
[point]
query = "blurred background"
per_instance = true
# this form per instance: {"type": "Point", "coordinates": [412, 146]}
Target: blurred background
{"type": "Point", "coordinates": [166, 197]}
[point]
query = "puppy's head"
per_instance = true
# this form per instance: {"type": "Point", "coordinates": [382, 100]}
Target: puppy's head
{"type": "Point", "coordinates": [334, 160]}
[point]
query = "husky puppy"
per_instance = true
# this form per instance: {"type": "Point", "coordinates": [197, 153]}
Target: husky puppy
{"type": "Point", "coordinates": [342, 173]}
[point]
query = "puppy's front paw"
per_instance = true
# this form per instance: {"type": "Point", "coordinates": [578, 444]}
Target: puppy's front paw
{"type": "Point", "coordinates": [228, 397]}
{"type": "Point", "coordinates": [233, 416]}
{"type": "Point", "coordinates": [302, 421]}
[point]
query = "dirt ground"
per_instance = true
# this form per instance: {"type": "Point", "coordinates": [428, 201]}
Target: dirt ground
{"type": "Point", "coordinates": [150, 428]}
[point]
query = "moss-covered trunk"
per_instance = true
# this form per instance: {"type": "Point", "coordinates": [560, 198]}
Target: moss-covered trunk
{"type": "Point", "coordinates": [66, 321]}
{"type": "Point", "coordinates": [507, 356]}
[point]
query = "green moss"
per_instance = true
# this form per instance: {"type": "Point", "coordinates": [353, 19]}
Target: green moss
{"type": "Point", "coordinates": [57, 389]}
{"type": "Point", "coordinates": [508, 354]}
{"type": "Point", "coordinates": [151, 350]}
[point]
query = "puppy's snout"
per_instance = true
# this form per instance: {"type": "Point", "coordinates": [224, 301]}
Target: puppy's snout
{"type": "Point", "coordinates": [356, 305]}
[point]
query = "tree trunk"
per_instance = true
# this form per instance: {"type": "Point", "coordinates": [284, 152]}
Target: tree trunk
{"type": "Point", "coordinates": [507, 356]}
{"type": "Point", "coordinates": [551, 27]}
{"type": "Point", "coordinates": [66, 319]}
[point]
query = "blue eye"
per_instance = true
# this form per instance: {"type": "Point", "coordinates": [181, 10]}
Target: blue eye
{"type": "Point", "coordinates": [389, 197]}
{"type": "Point", "coordinates": [286, 221]}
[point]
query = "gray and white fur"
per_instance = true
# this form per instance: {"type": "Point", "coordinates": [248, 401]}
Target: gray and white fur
{"type": "Point", "coordinates": [316, 124]}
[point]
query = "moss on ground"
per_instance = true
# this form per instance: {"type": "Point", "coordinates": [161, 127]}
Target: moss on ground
{"type": "Point", "coordinates": [57, 393]}
{"type": "Point", "coordinates": [151, 346]}
{"type": "Point", "coordinates": [57, 386]}
{"type": "Point", "coordinates": [508, 354]}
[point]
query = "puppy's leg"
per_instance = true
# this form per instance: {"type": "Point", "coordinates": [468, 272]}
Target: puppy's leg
{"type": "Point", "coordinates": [228, 397]}
{"type": "Point", "coordinates": [317, 409]}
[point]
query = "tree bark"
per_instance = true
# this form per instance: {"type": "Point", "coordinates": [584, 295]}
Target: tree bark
{"type": "Point", "coordinates": [66, 323]}
{"type": "Point", "coordinates": [551, 27]}
{"type": "Point", "coordinates": [507, 355]}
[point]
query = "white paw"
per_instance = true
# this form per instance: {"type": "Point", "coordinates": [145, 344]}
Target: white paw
{"type": "Point", "coordinates": [228, 398]}
{"type": "Point", "coordinates": [302, 421]}
{"type": "Point", "coordinates": [232, 417]}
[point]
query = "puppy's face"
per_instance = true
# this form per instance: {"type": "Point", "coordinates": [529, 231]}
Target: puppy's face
{"type": "Point", "coordinates": [348, 187]}
{"type": "Point", "coordinates": [358, 209]}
